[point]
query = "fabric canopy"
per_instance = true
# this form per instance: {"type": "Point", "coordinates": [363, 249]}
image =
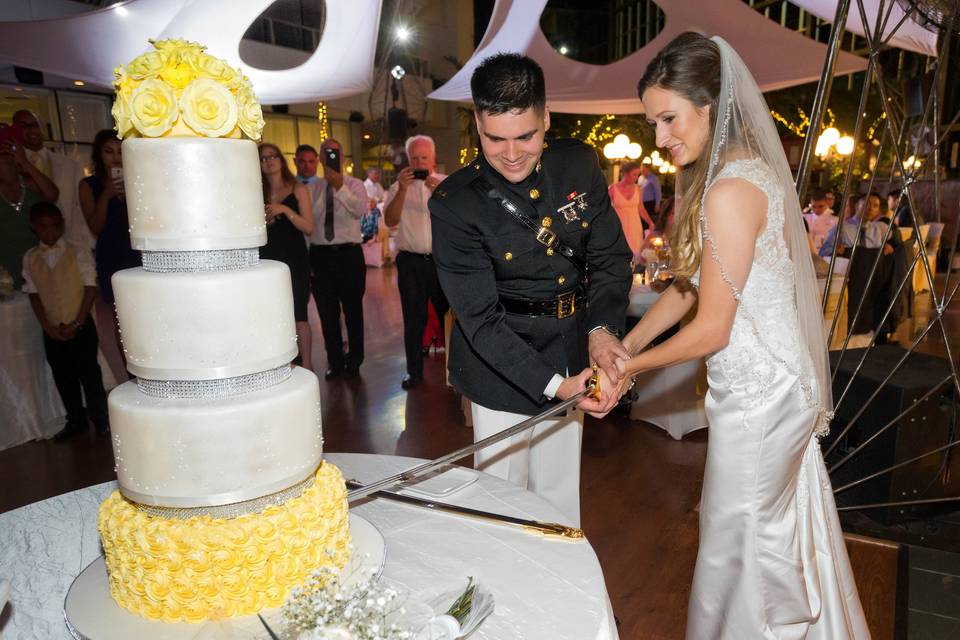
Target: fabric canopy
{"type": "Point", "coordinates": [777, 57]}
{"type": "Point", "coordinates": [907, 34]}
{"type": "Point", "coordinates": [88, 46]}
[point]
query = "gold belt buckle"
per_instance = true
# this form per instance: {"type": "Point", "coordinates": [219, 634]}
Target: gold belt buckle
{"type": "Point", "coordinates": [566, 304]}
{"type": "Point", "coordinates": [546, 237]}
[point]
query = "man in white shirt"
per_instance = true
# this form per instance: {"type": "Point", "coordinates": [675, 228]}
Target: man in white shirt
{"type": "Point", "coordinates": [372, 184]}
{"type": "Point", "coordinates": [306, 159]}
{"type": "Point", "coordinates": [406, 208]}
{"type": "Point", "coordinates": [336, 259]}
{"type": "Point", "coordinates": [65, 172]}
{"type": "Point", "coordinates": [819, 217]}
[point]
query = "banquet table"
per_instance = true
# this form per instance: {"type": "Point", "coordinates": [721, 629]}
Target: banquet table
{"type": "Point", "coordinates": [545, 588]}
{"type": "Point", "coordinates": [29, 403]}
{"type": "Point", "coordinates": [672, 397]}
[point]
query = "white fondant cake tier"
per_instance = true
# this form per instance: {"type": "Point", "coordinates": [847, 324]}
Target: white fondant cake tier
{"type": "Point", "coordinates": [193, 194]}
{"type": "Point", "coordinates": [200, 326]}
{"type": "Point", "coordinates": [192, 453]}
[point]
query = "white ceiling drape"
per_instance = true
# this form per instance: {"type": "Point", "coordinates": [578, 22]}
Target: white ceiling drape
{"type": "Point", "coordinates": [907, 34]}
{"type": "Point", "coordinates": [777, 57]}
{"type": "Point", "coordinates": [88, 46]}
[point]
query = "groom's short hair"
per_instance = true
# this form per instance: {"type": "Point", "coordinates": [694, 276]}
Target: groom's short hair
{"type": "Point", "coordinates": [508, 82]}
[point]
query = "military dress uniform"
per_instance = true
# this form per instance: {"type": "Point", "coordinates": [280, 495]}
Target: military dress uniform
{"type": "Point", "coordinates": [523, 309]}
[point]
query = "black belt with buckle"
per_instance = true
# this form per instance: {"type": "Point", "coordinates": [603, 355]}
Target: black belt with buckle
{"type": "Point", "coordinates": [563, 306]}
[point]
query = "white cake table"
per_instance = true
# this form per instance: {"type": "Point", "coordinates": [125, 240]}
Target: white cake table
{"type": "Point", "coordinates": [672, 397]}
{"type": "Point", "coordinates": [544, 588]}
{"type": "Point", "coordinates": [29, 402]}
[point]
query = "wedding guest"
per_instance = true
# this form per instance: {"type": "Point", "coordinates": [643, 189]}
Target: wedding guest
{"type": "Point", "coordinates": [830, 196]}
{"type": "Point", "coordinates": [289, 219]}
{"type": "Point", "coordinates": [372, 184]}
{"type": "Point", "coordinates": [339, 270]}
{"type": "Point", "coordinates": [65, 173]}
{"type": "Point", "coordinates": [61, 280]}
{"type": "Point", "coordinates": [899, 204]}
{"type": "Point", "coordinates": [104, 205]}
{"type": "Point", "coordinates": [819, 217]}
{"type": "Point", "coordinates": [625, 196]}
{"type": "Point", "coordinates": [527, 324]}
{"type": "Point", "coordinates": [651, 190]}
{"type": "Point", "coordinates": [306, 159]}
{"type": "Point", "coordinates": [16, 200]}
{"type": "Point", "coordinates": [772, 561]}
{"type": "Point", "coordinates": [406, 209]}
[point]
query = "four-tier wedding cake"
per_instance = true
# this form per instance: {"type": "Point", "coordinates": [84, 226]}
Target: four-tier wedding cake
{"type": "Point", "coordinates": [225, 503]}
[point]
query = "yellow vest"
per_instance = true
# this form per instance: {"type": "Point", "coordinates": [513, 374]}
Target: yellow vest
{"type": "Point", "coordinates": [60, 288]}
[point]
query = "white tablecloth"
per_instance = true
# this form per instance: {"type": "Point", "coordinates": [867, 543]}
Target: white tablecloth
{"type": "Point", "coordinates": [30, 407]}
{"type": "Point", "coordinates": [544, 588]}
{"type": "Point", "coordinates": [672, 397]}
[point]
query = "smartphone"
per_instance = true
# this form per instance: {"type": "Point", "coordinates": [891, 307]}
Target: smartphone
{"type": "Point", "coordinates": [331, 159]}
{"type": "Point", "coordinates": [420, 174]}
{"type": "Point", "coordinates": [11, 133]}
{"type": "Point", "coordinates": [116, 173]}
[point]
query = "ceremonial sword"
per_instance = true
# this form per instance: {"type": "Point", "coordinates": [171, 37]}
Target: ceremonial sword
{"type": "Point", "coordinates": [592, 391]}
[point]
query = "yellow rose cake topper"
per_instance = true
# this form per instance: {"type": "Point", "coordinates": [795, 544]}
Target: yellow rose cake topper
{"type": "Point", "coordinates": [179, 90]}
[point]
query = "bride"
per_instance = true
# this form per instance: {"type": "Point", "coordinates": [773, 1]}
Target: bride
{"type": "Point", "coordinates": [772, 562]}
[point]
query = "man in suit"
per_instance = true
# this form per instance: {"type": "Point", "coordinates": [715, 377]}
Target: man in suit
{"type": "Point", "coordinates": [65, 172]}
{"type": "Point", "coordinates": [514, 235]}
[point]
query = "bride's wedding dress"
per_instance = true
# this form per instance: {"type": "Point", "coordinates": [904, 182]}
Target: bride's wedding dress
{"type": "Point", "coordinates": [772, 562]}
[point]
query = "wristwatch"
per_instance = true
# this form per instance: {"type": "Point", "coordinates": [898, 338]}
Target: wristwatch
{"type": "Point", "coordinates": [609, 328]}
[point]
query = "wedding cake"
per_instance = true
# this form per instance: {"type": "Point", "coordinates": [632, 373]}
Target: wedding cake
{"type": "Point", "coordinates": [225, 503]}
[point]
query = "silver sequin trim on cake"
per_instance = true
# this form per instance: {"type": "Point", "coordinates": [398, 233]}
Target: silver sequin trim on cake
{"type": "Point", "coordinates": [194, 261]}
{"type": "Point", "coordinates": [234, 510]}
{"type": "Point", "coordinates": [212, 389]}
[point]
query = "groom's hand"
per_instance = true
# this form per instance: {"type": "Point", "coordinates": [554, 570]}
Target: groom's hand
{"type": "Point", "coordinates": [609, 395]}
{"type": "Point", "coordinates": [605, 350]}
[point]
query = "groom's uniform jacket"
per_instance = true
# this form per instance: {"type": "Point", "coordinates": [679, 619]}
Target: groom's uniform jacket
{"type": "Point", "coordinates": [522, 309]}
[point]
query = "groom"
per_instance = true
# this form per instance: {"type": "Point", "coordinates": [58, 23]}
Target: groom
{"type": "Point", "coordinates": [515, 234]}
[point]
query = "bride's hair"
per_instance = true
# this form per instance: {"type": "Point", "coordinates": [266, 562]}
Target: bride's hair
{"type": "Point", "coordinates": [689, 66]}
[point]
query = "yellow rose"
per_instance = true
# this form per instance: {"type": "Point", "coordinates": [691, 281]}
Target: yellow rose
{"type": "Point", "coordinates": [250, 118]}
{"type": "Point", "coordinates": [121, 116]}
{"type": "Point", "coordinates": [209, 108]}
{"type": "Point", "coordinates": [153, 108]}
{"type": "Point", "coordinates": [177, 73]}
{"type": "Point", "coordinates": [176, 46]}
{"type": "Point", "coordinates": [216, 69]}
{"type": "Point", "coordinates": [146, 66]}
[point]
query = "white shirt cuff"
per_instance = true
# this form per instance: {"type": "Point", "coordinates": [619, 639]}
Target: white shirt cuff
{"type": "Point", "coordinates": [553, 386]}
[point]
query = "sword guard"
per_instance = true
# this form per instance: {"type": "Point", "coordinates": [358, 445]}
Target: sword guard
{"type": "Point", "coordinates": [593, 384]}
{"type": "Point", "coordinates": [556, 529]}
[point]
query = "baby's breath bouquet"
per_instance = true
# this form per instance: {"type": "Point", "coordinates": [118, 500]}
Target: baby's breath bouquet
{"type": "Point", "coordinates": [334, 605]}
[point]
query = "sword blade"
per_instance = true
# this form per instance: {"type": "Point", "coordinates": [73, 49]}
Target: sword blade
{"type": "Point", "coordinates": [453, 456]}
{"type": "Point", "coordinates": [533, 526]}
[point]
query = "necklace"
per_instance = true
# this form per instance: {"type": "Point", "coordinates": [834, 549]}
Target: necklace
{"type": "Point", "coordinates": [18, 205]}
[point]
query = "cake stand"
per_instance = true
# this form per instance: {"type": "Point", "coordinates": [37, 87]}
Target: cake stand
{"type": "Point", "coordinates": [91, 614]}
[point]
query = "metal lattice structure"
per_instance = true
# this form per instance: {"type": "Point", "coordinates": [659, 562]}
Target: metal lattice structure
{"type": "Point", "coordinates": [942, 17]}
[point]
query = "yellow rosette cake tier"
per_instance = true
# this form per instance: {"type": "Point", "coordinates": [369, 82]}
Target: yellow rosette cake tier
{"type": "Point", "coordinates": [201, 568]}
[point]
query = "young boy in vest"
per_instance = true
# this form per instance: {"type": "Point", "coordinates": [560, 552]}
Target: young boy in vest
{"type": "Point", "coordinates": [61, 280]}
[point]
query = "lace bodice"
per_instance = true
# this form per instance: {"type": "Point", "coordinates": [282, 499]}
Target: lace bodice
{"type": "Point", "coordinates": [766, 334]}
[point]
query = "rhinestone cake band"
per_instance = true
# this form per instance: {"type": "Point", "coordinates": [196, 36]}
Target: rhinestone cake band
{"type": "Point", "coordinates": [233, 510]}
{"type": "Point", "coordinates": [193, 261]}
{"type": "Point", "coordinates": [217, 388]}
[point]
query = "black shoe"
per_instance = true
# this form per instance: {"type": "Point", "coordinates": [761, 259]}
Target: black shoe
{"type": "Point", "coordinates": [410, 381]}
{"type": "Point", "coordinates": [69, 431]}
{"type": "Point", "coordinates": [351, 372]}
{"type": "Point", "coordinates": [332, 373]}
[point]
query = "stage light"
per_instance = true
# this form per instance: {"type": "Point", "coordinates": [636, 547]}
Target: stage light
{"type": "Point", "coordinates": [398, 72]}
{"type": "Point", "coordinates": [634, 150]}
{"type": "Point", "coordinates": [610, 151]}
{"type": "Point", "coordinates": [830, 136]}
{"type": "Point", "coordinates": [621, 140]}
{"type": "Point", "coordinates": [403, 33]}
{"type": "Point", "coordinates": [79, 83]}
{"type": "Point", "coordinates": [563, 50]}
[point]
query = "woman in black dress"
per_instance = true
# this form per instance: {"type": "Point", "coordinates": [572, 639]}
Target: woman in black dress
{"type": "Point", "coordinates": [289, 219]}
{"type": "Point", "coordinates": [104, 205]}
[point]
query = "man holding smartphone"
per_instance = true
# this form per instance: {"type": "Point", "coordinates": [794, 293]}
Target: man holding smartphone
{"type": "Point", "coordinates": [406, 208]}
{"type": "Point", "coordinates": [336, 259]}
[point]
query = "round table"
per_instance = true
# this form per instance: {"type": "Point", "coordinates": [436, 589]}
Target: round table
{"type": "Point", "coordinates": [29, 402]}
{"type": "Point", "coordinates": [544, 587]}
{"type": "Point", "coordinates": [672, 397]}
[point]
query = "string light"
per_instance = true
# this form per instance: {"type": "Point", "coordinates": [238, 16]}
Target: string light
{"type": "Point", "coordinates": [463, 155]}
{"type": "Point", "coordinates": [324, 123]}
